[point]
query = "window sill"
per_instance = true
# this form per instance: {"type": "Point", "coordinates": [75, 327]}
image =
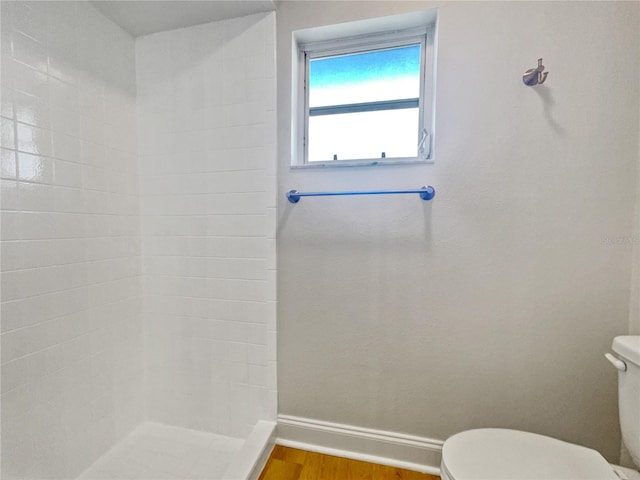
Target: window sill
{"type": "Point", "coordinates": [364, 163]}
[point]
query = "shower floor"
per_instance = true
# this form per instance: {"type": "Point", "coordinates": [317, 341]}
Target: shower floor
{"type": "Point", "coordinates": [157, 452]}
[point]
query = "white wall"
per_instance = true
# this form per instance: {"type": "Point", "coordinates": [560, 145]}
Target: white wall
{"type": "Point", "coordinates": [634, 305]}
{"type": "Point", "coordinates": [206, 120]}
{"type": "Point", "coordinates": [71, 325]}
{"type": "Point", "coordinates": [493, 304]}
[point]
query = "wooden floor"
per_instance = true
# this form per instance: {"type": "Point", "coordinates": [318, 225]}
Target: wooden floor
{"type": "Point", "coordinates": [292, 464]}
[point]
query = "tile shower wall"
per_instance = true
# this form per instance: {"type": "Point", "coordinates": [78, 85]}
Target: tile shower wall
{"type": "Point", "coordinates": [71, 323]}
{"type": "Point", "coordinates": [206, 123]}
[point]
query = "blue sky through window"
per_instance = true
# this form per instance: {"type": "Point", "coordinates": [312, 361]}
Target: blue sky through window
{"type": "Point", "coordinates": [388, 74]}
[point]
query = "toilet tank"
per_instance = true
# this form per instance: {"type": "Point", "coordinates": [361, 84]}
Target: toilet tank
{"type": "Point", "coordinates": [628, 350]}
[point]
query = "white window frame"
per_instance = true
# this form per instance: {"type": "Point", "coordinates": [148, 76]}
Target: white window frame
{"type": "Point", "coordinates": [359, 44]}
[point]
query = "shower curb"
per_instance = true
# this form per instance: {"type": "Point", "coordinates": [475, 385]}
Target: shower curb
{"type": "Point", "coordinates": [248, 463]}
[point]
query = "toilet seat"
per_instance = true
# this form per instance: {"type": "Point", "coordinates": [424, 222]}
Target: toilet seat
{"type": "Point", "coordinates": [501, 454]}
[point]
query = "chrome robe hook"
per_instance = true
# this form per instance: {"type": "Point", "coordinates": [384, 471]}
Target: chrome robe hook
{"type": "Point", "coordinates": [535, 76]}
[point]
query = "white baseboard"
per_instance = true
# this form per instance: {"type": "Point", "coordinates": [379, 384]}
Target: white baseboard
{"type": "Point", "coordinates": [366, 444]}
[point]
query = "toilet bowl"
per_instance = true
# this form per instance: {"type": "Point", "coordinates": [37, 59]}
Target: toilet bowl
{"type": "Point", "coordinates": [500, 454]}
{"type": "Point", "coordinates": [503, 454]}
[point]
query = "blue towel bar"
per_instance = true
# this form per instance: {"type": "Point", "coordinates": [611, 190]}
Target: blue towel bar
{"type": "Point", "coordinates": [426, 193]}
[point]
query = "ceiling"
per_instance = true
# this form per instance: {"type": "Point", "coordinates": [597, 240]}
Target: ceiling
{"type": "Point", "coordinates": [142, 17]}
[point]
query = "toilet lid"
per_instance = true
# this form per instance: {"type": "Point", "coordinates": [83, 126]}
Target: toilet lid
{"type": "Point", "coordinates": [499, 454]}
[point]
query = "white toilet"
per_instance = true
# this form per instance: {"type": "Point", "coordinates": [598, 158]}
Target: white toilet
{"type": "Point", "coordinates": [501, 454]}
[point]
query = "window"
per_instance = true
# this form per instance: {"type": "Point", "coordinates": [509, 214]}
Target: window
{"type": "Point", "coordinates": [366, 100]}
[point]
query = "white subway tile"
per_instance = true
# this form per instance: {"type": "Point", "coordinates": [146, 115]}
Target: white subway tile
{"type": "Point", "coordinates": [30, 81]}
{"type": "Point", "coordinates": [35, 168]}
{"type": "Point", "coordinates": [8, 196]}
{"type": "Point", "coordinates": [8, 165]}
{"type": "Point", "coordinates": [258, 376]}
{"type": "Point", "coordinates": [29, 21]}
{"type": "Point", "coordinates": [35, 197]}
{"type": "Point", "coordinates": [32, 110]}
{"type": "Point", "coordinates": [29, 51]}
{"type": "Point", "coordinates": [49, 332]}
{"type": "Point", "coordinates": [205, 236]}
{"type": "Point", "coordinates": [32, 139]}
{"type": "Point", "coordinates": [257, 354]}
{"type": "Point", "coordinates": [66, 147]}
{"type": "Point", "coordinates": [7, 133]}
{"type": "Point", "coordinates": [67, 174]}
{"type": "Point", "coordinates": [63, 94]}
{"type": "Point", "coordinates": [272, 375]}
